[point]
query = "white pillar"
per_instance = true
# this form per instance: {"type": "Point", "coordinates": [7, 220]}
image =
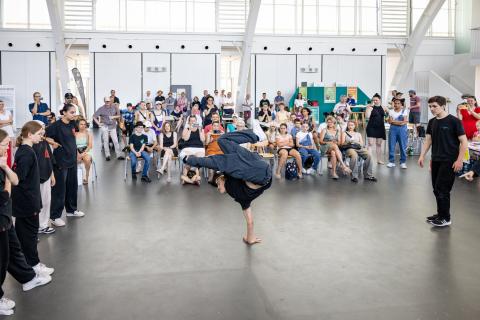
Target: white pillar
{"type": "Point", "coordinates": [246, 54]}
{"type": "Point", "coordinates": [414, 41]}
{"type": "Point", "coordinates": [57, 29]}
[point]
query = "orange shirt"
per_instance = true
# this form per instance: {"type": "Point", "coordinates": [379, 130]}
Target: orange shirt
{"type": "Point", "coordinates": [213, 148]}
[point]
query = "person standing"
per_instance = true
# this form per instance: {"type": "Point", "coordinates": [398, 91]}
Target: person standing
{"type": "Point", "coordinates": [278, 99]}
{"type": "Point", "coordinates": [106, 118]}
{"type": "Point", "coordinates": [414, 115]}
{"type": "Point", "coordinates": [170, 102]}
{"type": "Point", "coordinates": [446, 136]}
{"type": "Point", "coordinates": [375, 114]}
{"type": "Point", "coordinates": [398, 133]}
{"type": "Point", "coordinates": [114, 97]}
{"type": "Point", "coordinates": [160, 96]}
{"type": "Point", "coordinates": [6, 123]}
{"type": "Point", "coordinates": [64, 192]}
{"type": "Point", "coordinates": [26, 197]}
{"type": "Point", "coordinates": [203, 102]}
{"type": "Point", "coordinates": [39, 109]}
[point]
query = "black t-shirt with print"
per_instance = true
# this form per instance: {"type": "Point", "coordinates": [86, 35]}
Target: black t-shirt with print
{"type": "Point", "coordinates": [264, 101]}
{"type": "Point", "coordinates": [45, 160]}
{"type": "Point", "coordinates": [445, 133]}
{"type": "Point", "coordinates": [26, 197]}
{"type": "Point", "coordinates": [138, 141]}
{"type": "Point", "coordinates": [64, 134]}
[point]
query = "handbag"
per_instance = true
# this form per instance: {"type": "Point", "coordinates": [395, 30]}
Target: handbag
{"type": "Point", "coordinates": [351, 145]}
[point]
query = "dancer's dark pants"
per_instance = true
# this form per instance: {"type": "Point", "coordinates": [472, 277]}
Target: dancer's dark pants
{"type": "Point", "coordinates": [237, 161]}
{"type": "Point", "coordinates": [443, 178]}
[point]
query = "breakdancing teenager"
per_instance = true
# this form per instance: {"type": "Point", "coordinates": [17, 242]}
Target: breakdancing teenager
{"type": "Point", "coordinates": [244, 175]}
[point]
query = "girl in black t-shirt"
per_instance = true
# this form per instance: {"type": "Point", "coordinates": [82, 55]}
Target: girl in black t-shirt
{"type": "Point", "coordinates": [26, 197]}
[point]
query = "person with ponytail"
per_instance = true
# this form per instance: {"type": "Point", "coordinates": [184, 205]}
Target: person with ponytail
{"type": "Point", "coordinates": [26, 196]}
{"type": "Point", "coordinates": [64, 192]}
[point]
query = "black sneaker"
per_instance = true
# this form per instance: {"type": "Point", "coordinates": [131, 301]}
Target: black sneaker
{"type": "Point", "coordinates": [121, 158]}
{"type": "Point", "coordinates": [371, 178]}
{"type": "Point", "coordinates": [47, 230]}
{"type": "Point", "coordinates": [354, 180]}
{"type": "Point", "coordinates": [440, 222]}
{"type": "Point", "coordinates": [146, 179]}
{"type": "Point", "coordinates": [431, 218]}
{"type": "Point", "coordinates": [107, 158]}
{"type": "Point", "coordinates": [134, 176]}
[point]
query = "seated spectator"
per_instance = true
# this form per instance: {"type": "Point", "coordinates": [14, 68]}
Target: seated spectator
{"type": "Point", "coordinates": [159, 96]}
{"type": "Point", "coordinates": [264, 101]}
{"type": "Point", "coordinates": [193, 139]}
{"type": "Point", "coordinates": [329, 140]}
{"type": "Point", "coordinates": [215, 118]}
{"type": "Point", "coordinates": [343, 108]}
{"type": "Point", "coordinates": [299, 102]}
{"type": "Point", "coordinates": [240, 125]}
{"type": "Point", "coordinates": [469, 114]}
{"type": "Point", "coordinates": [212, 145]}
{"type": "Point", "coordinates": [143, 114]}
{"type": "Point", "coordinates": [196, 102]}
{"type": "Point", "coordinates": [296, 129]}
{"type": "Point", "coordinates": [265, 115]}
{"type": "Point", "coordinates": [232, 125]}
{"type": "Point", "coordinates": [399, 95]}
{"type": "Point", "coordinates": [271, 136]}
{"type": "Point", "coordinates": [168, 148]}
{"type": "Point", "coordinates": [306, 148]}
{"type": "Point", "coordinates": [398, 133]}
{"type": "Point", "coordinates": [190, 175]}
{"type": "Point", "coordinates": [351, 100]}
{"type": "Point", "coordinates": [138, 142]}
{"type": "Point", "coordinates": [171, 103]}
{"type": "Point", "coordinates": [182, 102]}
{"type": "Point", "coordinates": [84, 140]}
{"type": "Point", "coordinates": [291, 123]}
{"type": "Point", "coordinates": [352, 143]}
{"type": "Point", "coordinates": [278, 100]}
{"type": "Point", "coordinates": [228, 105]}
{"type": "Point", "coordinates": [476, 134]}
{"type": "Point", "coordinates": [158, 115]}
{"type": "Point", "coordinates": [152, 142]}
{"type": "Point", "coordinates": [285, 148]}
{"type": "Point", "coordinates": [282, 115]}
{"type": "Point", "coordinates": [128, 115]}
{"type": "Point", "coordinates": [210, 109]}
{"type": "Point", "coordinates": [341, 124]}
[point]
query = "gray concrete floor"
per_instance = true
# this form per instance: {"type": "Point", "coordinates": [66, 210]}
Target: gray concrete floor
{"type": "Point", "coordinates": [331, 250]}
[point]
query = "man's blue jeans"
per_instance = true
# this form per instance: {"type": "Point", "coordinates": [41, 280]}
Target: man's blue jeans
{"type": "Point", "coordinates": [146, 156]}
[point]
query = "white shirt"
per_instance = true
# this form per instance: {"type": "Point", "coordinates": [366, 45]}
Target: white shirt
{"type": "Point", "coordinates": [150, 135]}
{"type": "Point", "coordinates": [228, 100]}
{"type": "Point", "coordinates": [218, 100]}
{"type": "Point", "coordinates": [302, 135]}
{"type": "Point", "coordinates": [402, 115]}
{"type": "Point", "coordinates": [6, 116]}
{"type": "Point", "coordinates": [299, 103]}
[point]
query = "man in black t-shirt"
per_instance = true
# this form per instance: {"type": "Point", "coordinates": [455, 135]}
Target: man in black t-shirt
{"type": "Point", "coordinates": [449, 143]}
{"type": "Point", "coordinates": [244, 175]}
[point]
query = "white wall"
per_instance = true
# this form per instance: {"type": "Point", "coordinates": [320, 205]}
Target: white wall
{"type": "Point", "coordinates": [362, 71]}
{"type": "Point", "coordinates": [273, 73]}
{"type": "Point", "coordinates": [119, 71]}
{"type": "Point", "coordinates": [155, 81]}
{"type": "Point", "coordinates": [197, 70]}
{"type": "Point", "coordinates": [27, 72]}
{"type": "Point", "coordinates": [305, 61]}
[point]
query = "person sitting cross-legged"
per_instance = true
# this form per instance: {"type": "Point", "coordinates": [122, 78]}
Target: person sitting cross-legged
{"type": "Point", "coordinates": [306, 147]}
{"type": "Point", "coordinates": [329, 141]}
{"type": "Point", "coordinates": [138, 141]}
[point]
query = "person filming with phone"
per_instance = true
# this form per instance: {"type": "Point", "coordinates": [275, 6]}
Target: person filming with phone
{"type": "Point", "coordinates": [38, 109]}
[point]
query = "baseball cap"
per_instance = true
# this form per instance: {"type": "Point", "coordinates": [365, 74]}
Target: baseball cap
{"type": "Point", "coordinates": [412, 91]}
{"type": "Point", "coordinates": [68, 95]}
{"type": "Point", "coordinates": [139, 124]}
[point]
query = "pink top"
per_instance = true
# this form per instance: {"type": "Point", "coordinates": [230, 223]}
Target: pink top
{"type": "Point", "coordinates": [283, 140]}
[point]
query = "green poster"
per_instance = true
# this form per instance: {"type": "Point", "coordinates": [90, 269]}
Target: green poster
{"type": "Point", "coordinates": [303, 91]}
{"type": "Point", "coordinates": [330, 94]}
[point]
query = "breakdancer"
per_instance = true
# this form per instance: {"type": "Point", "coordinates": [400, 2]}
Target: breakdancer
{"type": "Point", "coordinates": [240, 173]}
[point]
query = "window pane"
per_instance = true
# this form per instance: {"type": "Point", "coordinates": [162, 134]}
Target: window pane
{"type": "Point", "coordinates": [440, 24]}
{"type": "Point", "coordinates": [156, 17]}
{"type": "Point", "coordinates": [310, 19]}
{"type": "Point", "coordinates": [136, 15]}
{"type": "Point", "coordinates": [369, 18]}
{"type": "Point", "coordinates": [178, 16]}
{"type": "Point", "coordinates": [204, 16]}
{"type": "Point", "coordinates": [107, 15]}
{"type": "Point", "coordinates": [15, 13]}
{"type": "Point", "coordinates": [39, 18]}
{"type": "Point", "coordinates": [327, 20]}
{"type": "Point", "coordinates": [265, 18]}
{"type": "Point", "coordinates": [347, 20]}
{"type": "Point", "coordinates": [284, 19]}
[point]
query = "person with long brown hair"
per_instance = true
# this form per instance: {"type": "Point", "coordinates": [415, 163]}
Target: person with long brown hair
{"type": "Point", "coordinates": [168, 148]}
{"type": "Point", "coordinates": [26, 196]}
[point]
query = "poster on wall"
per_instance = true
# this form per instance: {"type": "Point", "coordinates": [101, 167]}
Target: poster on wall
{"type": "Point", "coordinates": [303, 91]}
{"type": "Point", "coordinates": [330, 94]}
{"type": "Point", "coordinates": [352, 92]}
{"type": "Point", "coordinates": [315, 113]}
{"type": "Point", "coordinates": [7, 95]}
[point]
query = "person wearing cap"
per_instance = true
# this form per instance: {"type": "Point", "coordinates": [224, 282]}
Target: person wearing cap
{"type": "Point", "coordinates": [414, 115]}
{"type": "Point", "coordinates": [138, 142]}
{"type": "Point", "coordinates": [106, 118]}
{"type": "Point", "coordinates": [152, 141]}
{"type": "Point", "coordinates": [160, 96]}
{"type": "Point", "coordinates": [68, 97]}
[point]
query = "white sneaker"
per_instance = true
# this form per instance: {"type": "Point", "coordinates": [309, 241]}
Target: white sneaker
{"type": "Point", "coordinates": [77, 214]}
{"type": "Point", "coordinates": [390, 165]}
{"type": "Point", "coordinates": [403, 165]}
{"type": "Point", "coordinates": [310, 171]}
{"type": "Point", "coordinates": [6, 312]}
{"type": "Point", "coordinates": [319, 172]}
{"type": "Point", "coordinates": [6, 304]}
{"type": "Point", "coordinates": [42, 269]}
{"type": "Point", "coordinates": [39, 280]}
{"type": "Point", "coordinates": [58, 222]}
{"type": "Point", "coordinates": [304, 171]}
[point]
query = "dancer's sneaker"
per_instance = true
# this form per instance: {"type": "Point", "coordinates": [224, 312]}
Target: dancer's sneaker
{"type": "Point", "coordinates": [257, 129]}
{"type": "Point", "coordinates": [440, 222]}
{"type": "Point", "coordinates": [39, 280]}
{"type": "Point", "coordinates": [431, 218]}
{"type": "Point", "coordinates": [6, 304]}
{"type": "Point", "coordinates": [47, 230]}
{"type": "Point", "coordinates": [42, 269]}
{"type": "Point", "coordinates": [58, 222]}
{"type": "Point", "coordinates": [76, 214]}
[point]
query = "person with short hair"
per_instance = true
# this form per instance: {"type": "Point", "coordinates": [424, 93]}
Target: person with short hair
{"type": "Point", "coordinates": [306, 148]}
{"type": "Point", "coordinates": [446, 136]}
{"type": "Point", "coordinates": [228, 105]}
{"type": "Point", "coordinates": [342, 108]}
{"type": "Point", "coordinates": [414, 107]}
{"type": "Point", "coordinates": [215, 118]}
{"type": "Point", "coordinates": [128, 116]}
{"type": "Point", "coordinates": [138, 142]}
{"type": "Point", "coordinates": [106, 118]}
{"type": "Point", "coordinates": [114, 97]}
{"type": "Point", "coordinates": [398, 133]}
{"type": "Point", "coordinates": [282, 115]}
{"type": "Point", "coordinates": [160, 96]}
{"type": "Point", "coordinates": [203, 102]}
{"type": "Point", "coordinates": [264, 101]}
{"type": "Point", "coordinates": [64, 192]}
{"type": "Point", "coordinates": [39, 110]}
{"type": "Point", "coordinates": [278, 100]}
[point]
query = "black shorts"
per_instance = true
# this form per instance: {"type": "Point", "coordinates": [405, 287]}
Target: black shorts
{"type": "Point", "coordinates": [414, 117]}
{"type": "Point", "coordinates": [175, 153]}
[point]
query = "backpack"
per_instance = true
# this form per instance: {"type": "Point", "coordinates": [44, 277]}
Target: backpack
{"type": "Point", "coordinates": [291, 171]}
{"type": "Point", "coordinates": [308, 163]}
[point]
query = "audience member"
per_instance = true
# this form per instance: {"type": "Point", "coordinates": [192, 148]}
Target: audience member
{"type": "Point", "coordinates": [148, 98]}
{"type": "Point", "coordinates": [128, 116]}
{"type": "Point", "coordinates": [299, 102]}
{"type": "Point", "coordinates": [351, 100]}
{"type": "Point", "coordinates": [264, 101]}
{"type": "Point", "coordinates": [159, 97]}
{"type": "Point", "coordinates": [476, 134]}
{"type": "Point", "coordinates": [278, 100]}
{"type": "Point", "coordinates": [469, 114]}
{"type": "Point", "coordinates": [193, 139]}
{"type": "Point", "coordinates": [291, 123]}
{"type": "Point", "coordinates": [196, 102]}
{"type": "Point", "coordinates": [64, 192]}
{"type": "Point", "coordinates": [210, 109]}
{"type": "Point", "coordinates": [106, 119]}
{"type": "Point", "coordinates": [38, 109]}
{"type": "Point", "coordinates": [158, 117]}
{"type": "Point", "coordinates": [217, 99]}
{"type": "Point", "coordinates": [247, 107]}
{"type": "Point", "coordinates": [215, 118]}
{"type": "Point", "coordinates": [282, 115]}
{"type": "Point", "coordinates": [212, 145]}
{"type": "Point", "coordinates": [203, 102]}
{"type": "Point", "coordinates": [84, 141]}
{"type": "Point", "coordinates": [342, 108]}
{"type": "Point", "coordinates": [170, 102]}
{"type": "Point", "coordinates": [375, 114]}
{"type": "Point", "coordinates": [306, 148]}
{"type": "Point", "coordinates": [152, 142]}
{"type": "Point", "coordinates": [79, 108]}
{"type": "Point", "coordinates": [115, 98]}
{"type": "Point", "coordinates": [190, 175]}
{"type": "Point", "coordinates": [352, 143]}
{"type": "Point", "coordinates": [228, 105]}
{"type": "Point", "coordinates": [265, 115]}
{"type": "Point", "coordinates": [330, 138]}
{"type": "Point", "coordinates": [414, 108]}
{"type": "Point", "coordinates": [297, 127]}
{"type": "Point", "coordinates": [398, 119]}
{"type": "Point", "coordinates": [143, 114]}
{"type": "Point", "coordinates": [182, 102]}
{"type": "Point", "coordinates": [6, 124]}
{"type": "Point", "coordinates": [285, 148]}
{"type": "Point", "coordinates": [168, 149]}
{"type": "Point", "coordinates": [138, 142]}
